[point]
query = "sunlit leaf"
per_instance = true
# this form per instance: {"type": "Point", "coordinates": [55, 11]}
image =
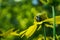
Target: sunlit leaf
{"type": "Point", "coordinates": [21, 33]}
{"type": "Point", "coordinates": [14, 33]}
{"type": "Point", "coordinates": [31, 30]}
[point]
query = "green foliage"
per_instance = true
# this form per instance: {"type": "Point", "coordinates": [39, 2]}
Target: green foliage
{"type": "Point", "coordinates": [20, 16]}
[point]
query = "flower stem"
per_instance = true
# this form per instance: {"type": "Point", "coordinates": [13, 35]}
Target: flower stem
{"type": "Point", "coordinates": [54, 23]}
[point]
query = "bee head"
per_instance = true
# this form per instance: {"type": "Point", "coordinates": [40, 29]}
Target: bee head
{"type": "Point", "coordinates": [40, 18]}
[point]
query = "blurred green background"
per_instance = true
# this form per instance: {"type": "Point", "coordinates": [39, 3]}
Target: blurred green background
{"type": "Point", "coordinates": [19, 14]}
